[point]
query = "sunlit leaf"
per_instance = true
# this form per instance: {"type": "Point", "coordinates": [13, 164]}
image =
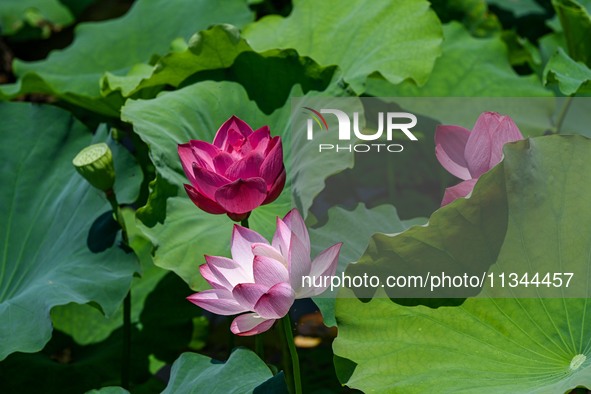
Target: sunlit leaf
{"type": "Point", "coordinates": [400, 41]}
{"type": "Point", "coordinates": [479, 68]}
{"type": "Point", "coordinates": [468, 67]}
{"type": "Point", "coordinates": [267, 77]}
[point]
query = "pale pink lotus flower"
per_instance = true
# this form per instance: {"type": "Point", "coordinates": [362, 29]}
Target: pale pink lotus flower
{"type": "Point", "coordinates": [240, 171]}
{"type": "Point", "coordinates": [468, 155]}
{"type": "Point", "coordinates": [263, 279]}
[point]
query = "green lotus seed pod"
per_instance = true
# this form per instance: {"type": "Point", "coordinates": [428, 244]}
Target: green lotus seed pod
{"type": "Point", "coordinates": [95, 164]}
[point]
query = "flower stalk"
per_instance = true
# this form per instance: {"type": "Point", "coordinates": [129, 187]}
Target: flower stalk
{"type": "Point", "coordinates": [126, 362]}
{"type": "Point", "coordinates": [126, 357]}
{"type": "Point", "coordinates": [294, 382]}
{"type": "Point", "coordinates": [562, 115]}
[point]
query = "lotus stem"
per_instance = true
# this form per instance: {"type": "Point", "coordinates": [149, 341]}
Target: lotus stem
{"type": "Point", "coordinates": [126, 362]}
{"type": "Point", "coordinates": [259, 346]}
{"type": "Point", "coordinates": [563, 112]}
{"type": "Point", "coordinates": [244, 223]}
{"type": "Point", "coordinates": [126, 357]}
{"type": "Point", "coordinates": [295, 362]}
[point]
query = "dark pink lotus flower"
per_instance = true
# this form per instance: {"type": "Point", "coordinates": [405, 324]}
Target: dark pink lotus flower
{"type": "Point", "coordinates": [468, 155]}
{"type": "Point", "coordinates": [240, 171]}
{"type": "Point", "coordinates": [263, 279]}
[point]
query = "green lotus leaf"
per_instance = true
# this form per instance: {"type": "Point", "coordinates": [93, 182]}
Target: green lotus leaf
{"type": "Point", "coordinates": [244, 372]}
{"type": "Point", "coordinates": [572, 77]}
{"type": "Point", "coordinates": [519, 8]}
{"type": "Point", "coordinates": [47, 209]}
{"type": "Point", "coordinates": [575, 20]}
{"type": "Point", "coordinates": [65, 366]}
{"type": "Point", "coordinates": [366, 222]}
{"type": "Point", "coordinates": [109, 390]}
{"type": "Point", "coordinates": [400, 41]}
{"type": "Point", "coordinates": [468, 67]}
{"type": "Point", "coordinates": [116, 46]}
{"type": "Point", "coordinates": [268, 77]}
{"type": "Point", "coordinates": [478, 68]}
{"type": "Point", "coordinates": [46, 14]}
{"type": "Point", "coordinates": [501, 343]}
{"type": "Point", "coordinates": [214, 48]}
{"type": "Point", "coordinates": [578, 116]}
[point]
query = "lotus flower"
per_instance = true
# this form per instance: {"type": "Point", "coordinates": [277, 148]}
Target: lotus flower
{"type": "Point", "coordinates": [468, 155]}
{"type": "Point", "coordinates": [240, 171]}
{"type": "Point", "coordinates": [263, 279]}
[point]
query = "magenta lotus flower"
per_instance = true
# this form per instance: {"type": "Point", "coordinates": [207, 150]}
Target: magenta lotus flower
{"type": "Point", "coordinates": [240, 171]}
{"type": "Point", "coordinates": [263, 279]}
{"type": "Point", "coordinates": [468, 155]}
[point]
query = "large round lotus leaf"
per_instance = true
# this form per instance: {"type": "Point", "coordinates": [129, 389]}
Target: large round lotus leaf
{"type": "Point", "coordinates": [487, 345]}
{"type": "Point", "coordinates": [46, 211]}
